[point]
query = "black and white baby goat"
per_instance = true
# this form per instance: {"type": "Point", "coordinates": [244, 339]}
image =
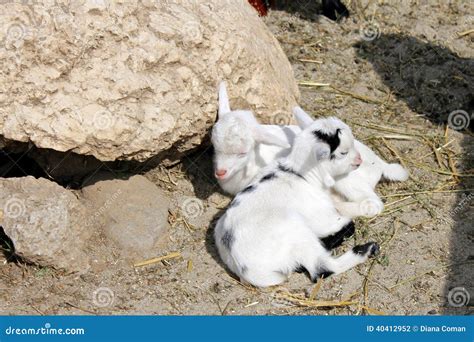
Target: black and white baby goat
{"type": "Point", "coordinates": [358, 187]}
{"type": "Point", "coordinates": [243, 146]}
{"type": "Point", "coordinates": [276, 225]}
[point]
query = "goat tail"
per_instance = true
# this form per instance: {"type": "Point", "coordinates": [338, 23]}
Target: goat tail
{"type": "Point", "coordinates": [224, 106]}
{"type": "Point", "coordinates": [394, 172]}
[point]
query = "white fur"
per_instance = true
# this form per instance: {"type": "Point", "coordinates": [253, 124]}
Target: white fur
{"type": "Point", "coordinates": [243, 147]}
{"type": "Point", "coordinates": [239, 131]}
{"type": "Point", "coordinates": [274, 226]}
{"type": "Point", "coordinates": [358, 186]}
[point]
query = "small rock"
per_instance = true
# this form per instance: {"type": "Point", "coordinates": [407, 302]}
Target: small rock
{"type": "Point", "coordinates": [44, 222]}
{"type": "Point", "coordinates": [133, 212]}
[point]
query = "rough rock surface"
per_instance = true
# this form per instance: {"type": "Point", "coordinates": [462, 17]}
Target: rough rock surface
{"type": "Point", "coordinates": [44, 222]}
{"type": "Point", "coordinates": [133, 212]}
{"type": "Point", "coordinates": [128, 80]}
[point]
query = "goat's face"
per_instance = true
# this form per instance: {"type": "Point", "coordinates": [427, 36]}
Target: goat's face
{"type": "Point", "coordinates": [343, 157]}
{"type": "Point", "coordinates": [234, 137]}
{"type": "Point", "coordinates": [233, 146]}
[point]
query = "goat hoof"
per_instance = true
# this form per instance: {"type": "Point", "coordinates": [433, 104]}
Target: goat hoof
{"type": "Point", "coordinates": [374, 249]}
{"type": "Point", "coordinates": [370, 207]}
{"type": "Point", "coordinates": [370, 249]}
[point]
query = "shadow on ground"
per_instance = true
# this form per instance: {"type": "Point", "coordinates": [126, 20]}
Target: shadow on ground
{"type": "Point", "coordinates": [312, 10]}
{"type": "Point", "coordinates": [74, 171]}
{"type": "Point", "coordinates": [435, 82]}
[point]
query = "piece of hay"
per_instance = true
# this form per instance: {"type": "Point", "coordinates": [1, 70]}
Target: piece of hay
{"type": "Point", "coordinates": [155, 260]}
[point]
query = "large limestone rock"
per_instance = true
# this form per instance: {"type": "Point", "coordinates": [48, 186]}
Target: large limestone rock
{"type": "Point", "coordinates": [133, 213]}
{"type": "Point", "coordinates": [45, 223]}
{"type": "Point", "coordinates": [130, 79]}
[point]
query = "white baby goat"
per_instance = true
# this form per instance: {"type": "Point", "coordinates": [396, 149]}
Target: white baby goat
{"type": "Point", "coordinates": [243, 147]}
{"type": "Point", "coordinates": [274, 225]}
{"type": "Point", "coordinates": [358, 186]}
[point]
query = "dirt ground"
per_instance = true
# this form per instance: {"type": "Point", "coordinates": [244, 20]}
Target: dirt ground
{"type": "Point", "coordinates": [393, 70]}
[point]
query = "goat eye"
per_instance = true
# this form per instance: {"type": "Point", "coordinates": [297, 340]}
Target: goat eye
{"type": "Point", "coordinates": [344, 153]}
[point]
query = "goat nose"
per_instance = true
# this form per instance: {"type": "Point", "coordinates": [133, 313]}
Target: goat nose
{"type": "Point", "coordinates": [358, 159]}
{"type": "Point", "coordinates": [221, 173]}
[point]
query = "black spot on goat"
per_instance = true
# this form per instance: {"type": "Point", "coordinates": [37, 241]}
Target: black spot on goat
{"type": "Point", "coordinates": [300, 269]}
{"type": "Point", "coordinates": [289, 170]}
{"type": "Point", "coordinates": [248, 189]}
{"type": "Point", "coordinates": [336, 239]}
{"type": "Point", "coordinates": [321, 272]}
{"type": "Point", "coordinates": [331, 139]}
{"type": "Point", "coordinates": [268, 177]}
{"type": "Point", "coordinates": [244, 269]}
{"type": "Point", "coordinates": [228, 239]}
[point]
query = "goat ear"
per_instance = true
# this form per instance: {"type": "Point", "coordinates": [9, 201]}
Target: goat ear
{"type": "Point", "coordinates": [302, 118]}
{"type": "Point", "coordinates": [323, 151]}
{"type": "Point", "coordinates": [224, 106]}
{"type": "Point", "coordinates": [261, 135]}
